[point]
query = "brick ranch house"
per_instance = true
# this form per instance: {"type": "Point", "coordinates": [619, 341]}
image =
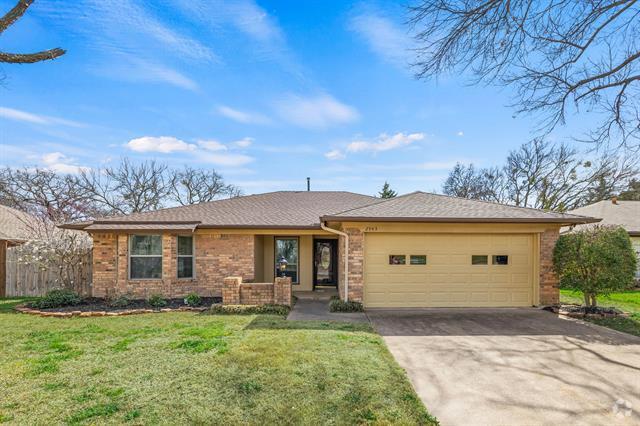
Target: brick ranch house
{"type": "Point", "coordinates": [416, 250]}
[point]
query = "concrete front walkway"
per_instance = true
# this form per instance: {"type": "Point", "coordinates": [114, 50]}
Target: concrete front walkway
{"type": "Point", "coordinates": [514, 366]}
{"type": "Point", "coordinates": [318, 310]}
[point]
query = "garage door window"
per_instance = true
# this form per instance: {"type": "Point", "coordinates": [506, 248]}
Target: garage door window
{"type": "Point", "coordinates": [418, 259]}
{"type": "Point", "coordinates": [479, 259]}
{"type": "Point", "coordinates": [397, 259]}
{"type": "Point", "coordinates": [500, 259]}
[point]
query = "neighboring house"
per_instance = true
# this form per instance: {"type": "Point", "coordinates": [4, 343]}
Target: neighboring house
{"type": "Point", "coordinates": [616, 212]}
{"type": "Point", "coordinates": [14, 230]}
{"type": "Point", "coordinates": [416, 250]}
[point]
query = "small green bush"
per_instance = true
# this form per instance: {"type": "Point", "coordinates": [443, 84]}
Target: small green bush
{"type": "Point", "coordinates": [121, 301]}
{"type": "Point", "coordinates": [193, 300]}
{"type": "Point", "coordinates": [281, 310]}
{"type": "Point", "coordinates": [57, 299]}
{"type": "Point", "coordinates": [338, 305]}
{"type": "Point", "coordinates": [157, 301]}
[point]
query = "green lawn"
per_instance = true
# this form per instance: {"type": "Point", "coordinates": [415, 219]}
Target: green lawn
{"type": "Point", "coordinates": [186, 368]}
{"type": "Point", "coordinates": [627, 301]}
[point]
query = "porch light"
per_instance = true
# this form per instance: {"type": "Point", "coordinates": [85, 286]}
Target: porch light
{"type": "Point", "coordinates": [283, 266]}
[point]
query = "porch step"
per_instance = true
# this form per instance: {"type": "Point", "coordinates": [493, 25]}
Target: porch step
{"type": "Point", "coordinates": [319, 294]}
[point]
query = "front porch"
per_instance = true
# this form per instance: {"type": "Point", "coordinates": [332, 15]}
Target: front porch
{"type": "Point", "coordinates": [310, 260]}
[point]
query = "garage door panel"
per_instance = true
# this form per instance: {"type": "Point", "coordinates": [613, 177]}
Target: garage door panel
{"type": "Point", "coordinates": [448, 278]}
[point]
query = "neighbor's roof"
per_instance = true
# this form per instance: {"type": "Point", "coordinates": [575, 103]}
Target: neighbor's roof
{"type": "Point", "coordinates": [623, 213]}
{"type": "Point", "coordinates": [14, 224]}
{"type": "Point", "coordinates": [424, 207]}
{"type": "Point", "coordinates": [282, 209]}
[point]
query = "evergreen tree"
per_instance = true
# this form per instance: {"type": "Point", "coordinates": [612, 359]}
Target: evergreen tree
{"type": "Point", "coordinates": [386, 191]}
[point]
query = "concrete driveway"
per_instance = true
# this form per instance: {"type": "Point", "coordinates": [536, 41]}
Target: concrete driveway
{"type": "Point", "coordinates": [514, 366]}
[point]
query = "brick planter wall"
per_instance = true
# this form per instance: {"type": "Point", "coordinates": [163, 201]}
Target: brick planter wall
{"type": "Point", "coordinates": [549, 283]}
{"type": "Point", "coordinates": [235, 292]}
{"type": "Point", "coordinates": [216, 257]}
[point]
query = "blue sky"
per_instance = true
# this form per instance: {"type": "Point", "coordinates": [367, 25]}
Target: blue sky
{"type": "Point", "coordinates": [267, 93]}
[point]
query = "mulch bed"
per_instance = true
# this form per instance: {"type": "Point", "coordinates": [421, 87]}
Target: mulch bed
{"type": "Point", "coordinates": [96, 307]}
{"type": "Point", "coordinates": [578, 311]}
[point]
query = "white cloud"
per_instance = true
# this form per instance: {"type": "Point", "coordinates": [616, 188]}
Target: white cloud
{"type": "Point", "coordinates": [243, 143]}
{"type": "Point", "coordinates": [384, 37]}
{"type": "Point", "coordinates": [460, 133]}
{"type": "Point", "coordinates": [212, 145]}
{"type": "Point", "coordinates": [315, 112]}
{"type": "Point", "coordinates": [60, 163]}
{"type": "Point", "coordinates": [231, 160]}
{"type": "Point", "coordinates": [245, 117]}
{"type": "Point", "coordinates": [162, 144]}
{"type": "Point", "coordinates": [335, 154]}
{"type": "Point", "coordinates": [385, 142]}
{"type": "Point", "coordinates": [28, 117]}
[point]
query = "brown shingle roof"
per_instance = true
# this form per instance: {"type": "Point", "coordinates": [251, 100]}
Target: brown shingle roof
{"type": "Point", "coordinates": [623, 213]}
{"type": "Point", "coordinates": [424, 207]}
{"type": "Point", "coordinates": [282, 209]}
{"type": "Point", "coordinates": [15, 225]}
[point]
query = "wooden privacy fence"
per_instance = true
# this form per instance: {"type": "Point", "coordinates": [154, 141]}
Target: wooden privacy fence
{"type": "Point", "coordinates": [32, 280]}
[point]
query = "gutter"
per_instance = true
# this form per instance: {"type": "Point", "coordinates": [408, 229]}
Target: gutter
{"type": "Point", "coordinates": [346, 259]}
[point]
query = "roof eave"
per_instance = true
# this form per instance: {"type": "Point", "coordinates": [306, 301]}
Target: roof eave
{"type": "Point", "coordinates": [561, 221]}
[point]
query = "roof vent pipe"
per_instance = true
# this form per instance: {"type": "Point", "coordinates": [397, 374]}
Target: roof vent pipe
{"type": "Point", "coordinates": [308, 184]}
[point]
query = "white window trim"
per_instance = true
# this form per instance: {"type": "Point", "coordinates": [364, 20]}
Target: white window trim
{"type": "Point", "coordinates": [130, 242]}
{"type": "Point", "coordinates": [192, 256]}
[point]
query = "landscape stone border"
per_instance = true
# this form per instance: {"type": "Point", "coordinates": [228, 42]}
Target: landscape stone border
{"type": "Point", "coordinates": [560, 310]}
{"type": "Point", "coordinates": [31, 311]}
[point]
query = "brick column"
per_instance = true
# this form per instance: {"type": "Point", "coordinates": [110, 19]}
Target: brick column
{"type": "Point", "coordinates": [231, 291]}
{"type": "Point", "coordinates": [282, 291]}
{"type": "Point", "coordinates": [105, 273]}
{"type": "Point", "coordinates": [549, 283]}
{"type": "Point", "coordinates": [355, 257]}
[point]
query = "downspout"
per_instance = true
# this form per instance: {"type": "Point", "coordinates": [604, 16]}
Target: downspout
{"type": "Point", "coordinates": [346, 259]}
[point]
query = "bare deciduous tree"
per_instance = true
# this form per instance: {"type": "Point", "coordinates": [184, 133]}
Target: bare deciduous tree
{"type": "Point", "coordinates": [127, 188]}
{"type": "Point", "coordinates": [24, 58]}
{"type": "Point", "coordinates": [542, 175]}
{"type": "Point", "coordinates": [561, 56]}
{"type": "Point", "coordinates": [45, 194]}
{"type": "Point", "coordinates": [193, 186]}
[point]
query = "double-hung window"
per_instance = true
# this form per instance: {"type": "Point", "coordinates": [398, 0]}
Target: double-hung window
{"type": "Point", "coordinates": [145, 257]}
{"type": "Point", "coordinates": [185, 256]}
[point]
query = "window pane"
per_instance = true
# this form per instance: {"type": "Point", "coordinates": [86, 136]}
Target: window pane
{"type": "Point", "coordinates": [185, 246]}
{"type": "Point", "coordinates": [146, 245]}
{"type": "Point", "coordinates": [185, 267]}
{"type": "Point", "coordinates": [397, 259]}
{"type": "Point", "coordinates": [146, 267]}
{"type": "Point", "coordinates": [418, 259]}
{"type": "Point", "coordinates": [501, 259]}
{"type": "Point", "coordinates": [287, 250]}
{"type": "Point", "coordinates": [479, 259]}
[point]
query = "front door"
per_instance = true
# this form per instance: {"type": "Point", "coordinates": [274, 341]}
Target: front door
{"type": "Point", "coordinates": [325, 262]}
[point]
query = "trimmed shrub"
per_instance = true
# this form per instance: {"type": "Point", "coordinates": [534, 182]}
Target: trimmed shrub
{"type": "Point", "coordinates": [281, 310]}
{"type": "Point", "coordinates": [157, 301]}
{"type": "Point", "coordinates": [192, 300]}
{"type": "Point", "coordinates": [337, 305]}
{"type": "Point", "coordinates": [57, 299]}
{"type": "Point", "coordinates": [121, 301]}
{"type": "Point", "coordinates": [597, 261]}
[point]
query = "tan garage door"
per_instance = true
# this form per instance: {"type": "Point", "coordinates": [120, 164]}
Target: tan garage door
{"type": "Point", "coordinates": [448, 279]}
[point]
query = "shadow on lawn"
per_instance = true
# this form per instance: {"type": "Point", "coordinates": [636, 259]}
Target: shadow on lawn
{"type": "Point", "coordinates": [271, 322]}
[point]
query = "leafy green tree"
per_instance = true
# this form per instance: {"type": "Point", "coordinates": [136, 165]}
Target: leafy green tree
{"type": "Point", "coordinates": [632, 193]}
{"type": "Point", "coordinates": [386, 191]}
{"type": "Point", "coordinates": [597, 261]}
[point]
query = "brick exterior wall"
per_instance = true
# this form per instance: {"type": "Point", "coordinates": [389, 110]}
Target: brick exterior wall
{"type": "Point", "coordinates": [235, 292]}
{"type": "Point", "coordinates": [549, 283]}
{"type": "Point", "coordinates": [355, 257]}
{"type": "Point", "coordinates": [216, 257]}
